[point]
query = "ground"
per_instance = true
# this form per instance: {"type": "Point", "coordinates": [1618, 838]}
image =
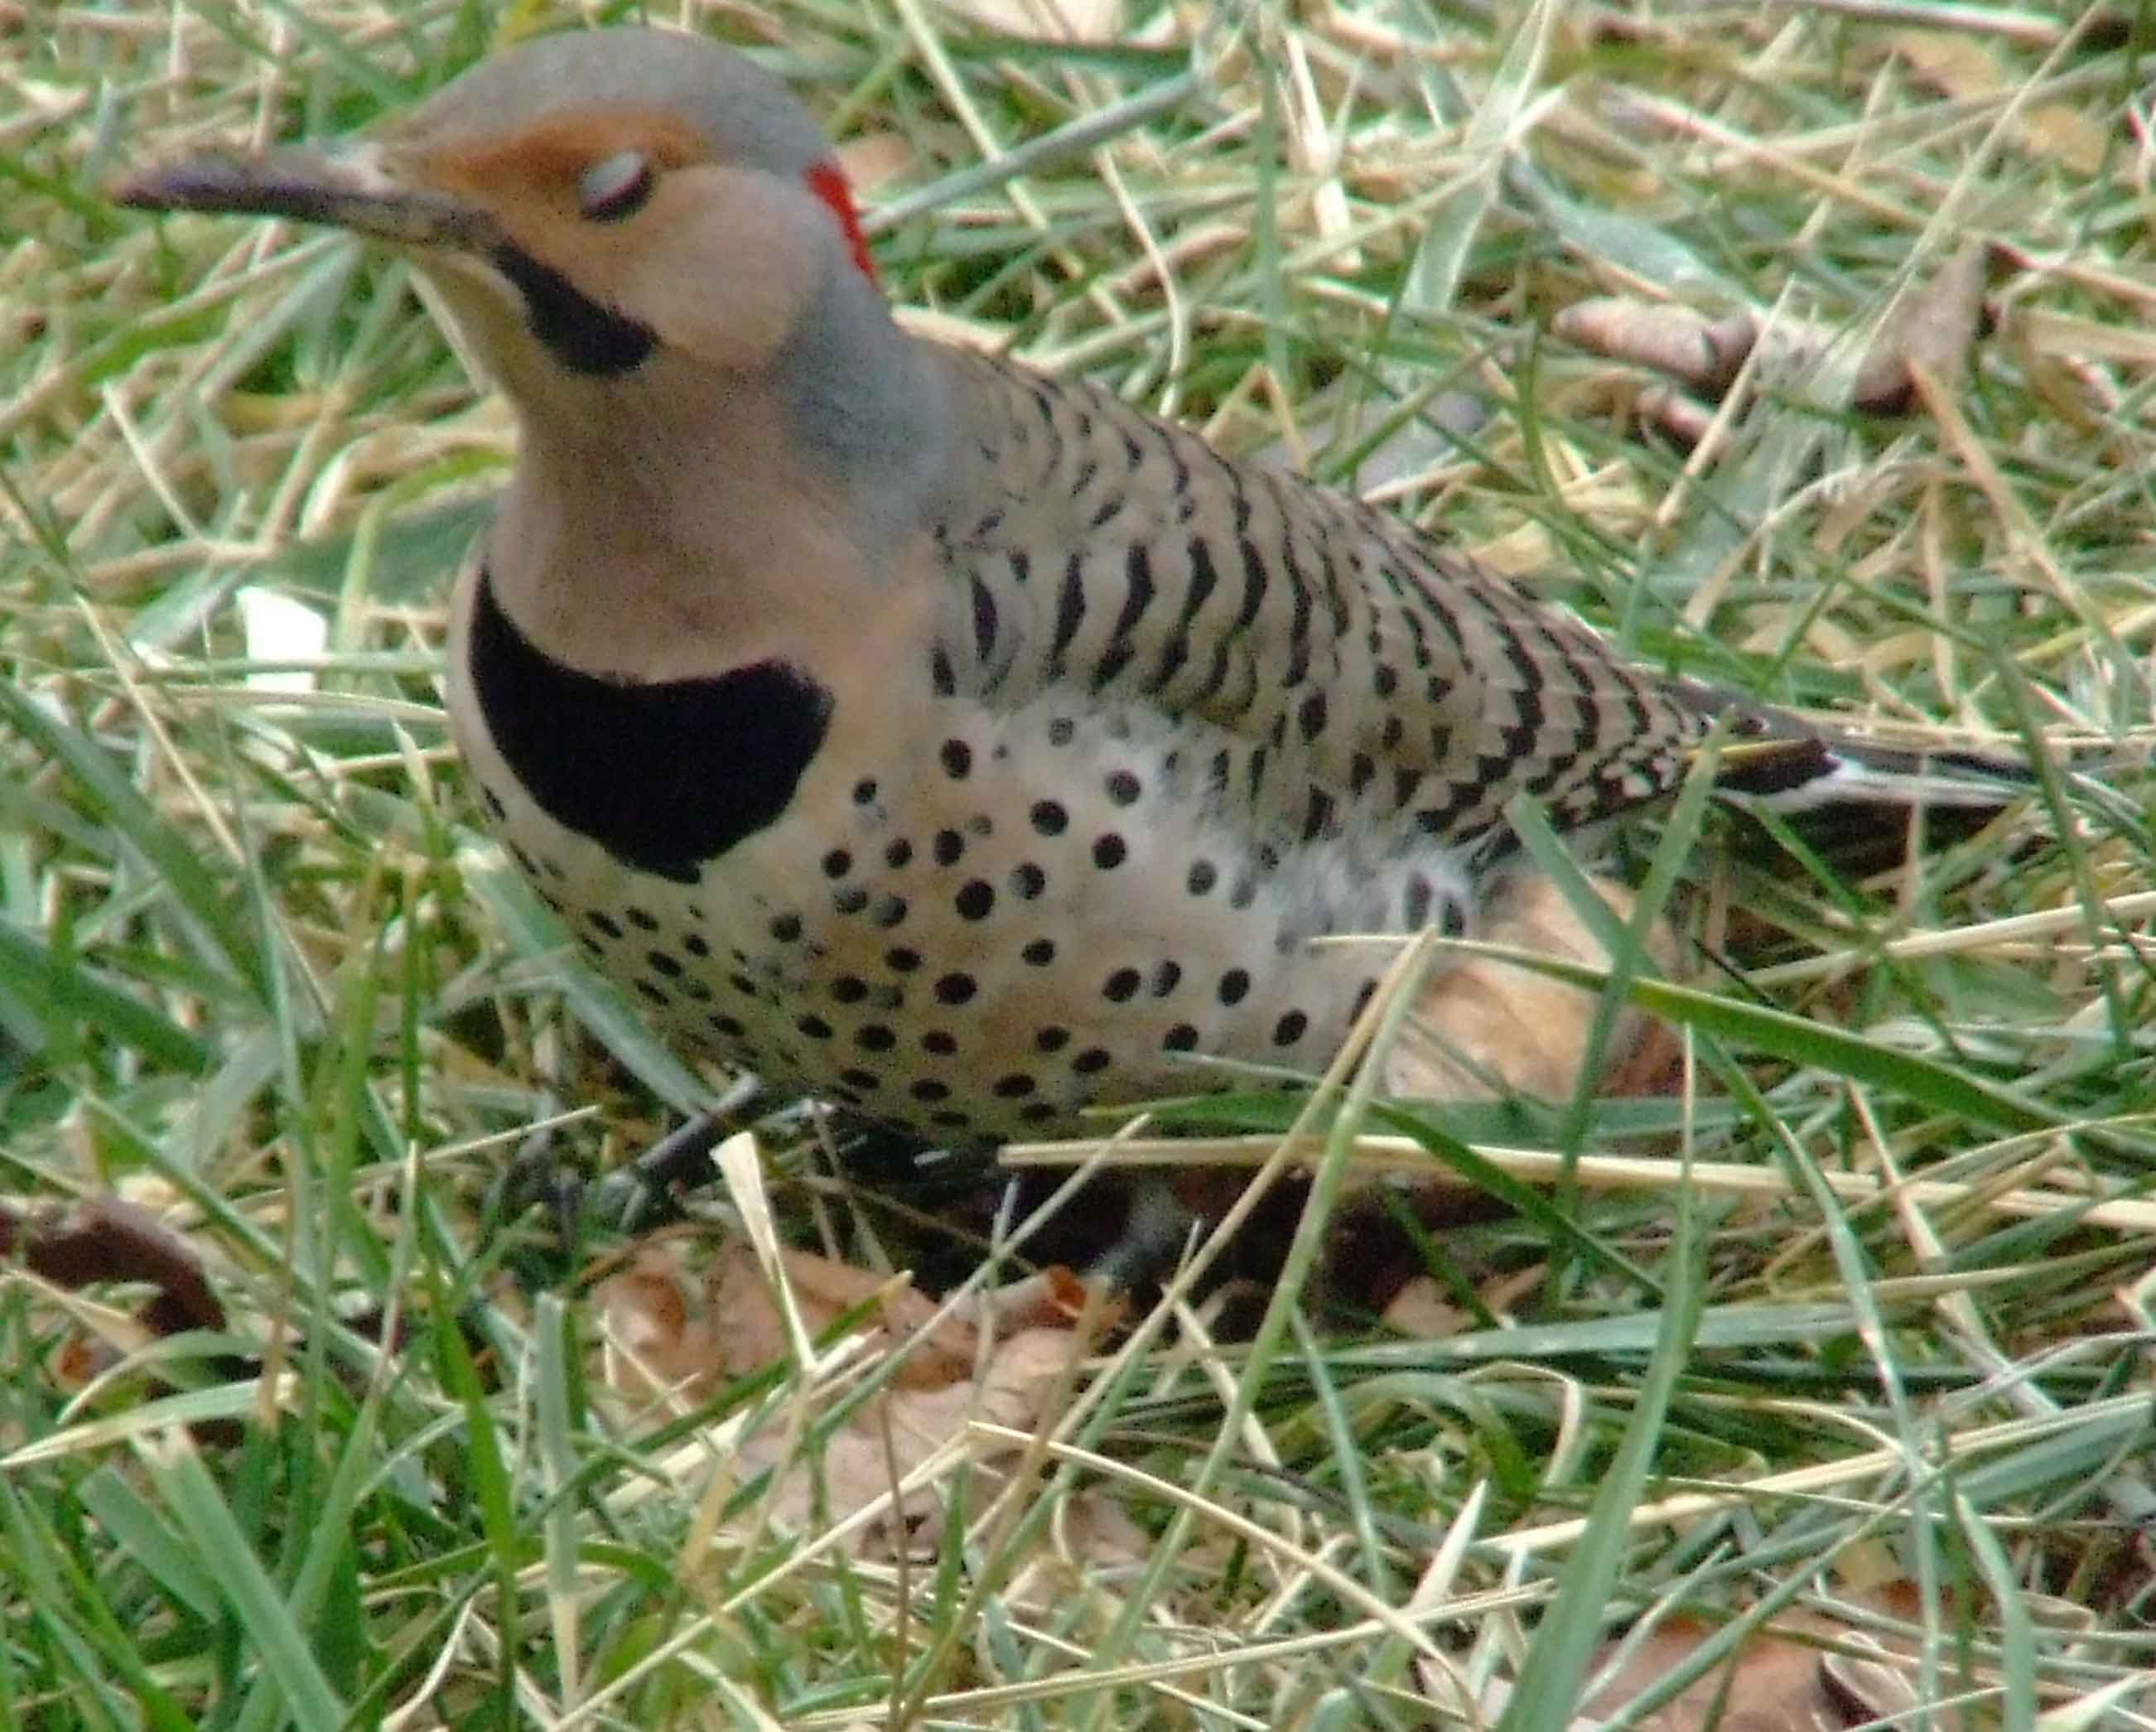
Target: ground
{"type": "Point", "coordinates": [262, 975]}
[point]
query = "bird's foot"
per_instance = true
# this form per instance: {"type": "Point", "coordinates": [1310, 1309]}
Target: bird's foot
{"type": "Point", "coordinates": [635, 1197]}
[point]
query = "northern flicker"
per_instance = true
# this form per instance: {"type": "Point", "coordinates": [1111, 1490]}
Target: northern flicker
{"type": "Point", "coordinates": [959, 744]}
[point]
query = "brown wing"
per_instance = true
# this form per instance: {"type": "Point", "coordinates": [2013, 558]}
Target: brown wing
{"type": "Point", "coordinates": [1122, 559]}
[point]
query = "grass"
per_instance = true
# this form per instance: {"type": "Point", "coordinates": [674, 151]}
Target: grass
{"type": "Point", "coordinates": [260, 971]}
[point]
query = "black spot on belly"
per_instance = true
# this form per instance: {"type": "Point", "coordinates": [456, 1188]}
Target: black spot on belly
{"type": "Point", "coordinates": [664, 777]}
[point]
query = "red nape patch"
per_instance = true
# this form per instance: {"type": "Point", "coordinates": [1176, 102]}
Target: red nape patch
{"type": "Point", "coordinates": [830, 185]}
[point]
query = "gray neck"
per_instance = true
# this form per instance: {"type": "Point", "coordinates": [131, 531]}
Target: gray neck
{"type": "Point", "coordinates": [863, 398]}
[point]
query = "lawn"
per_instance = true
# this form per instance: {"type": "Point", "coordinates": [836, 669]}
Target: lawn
{"type": "Point", "coordinates": [1803, 348]}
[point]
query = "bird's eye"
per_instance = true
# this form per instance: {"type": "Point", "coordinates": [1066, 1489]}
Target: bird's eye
{"type": "Point", "coordinates": [615, 187]}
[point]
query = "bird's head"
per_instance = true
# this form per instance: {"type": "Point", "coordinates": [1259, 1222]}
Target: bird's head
{"type": "Point", "coordinates": [648, 243]}
{"type": "Point", "coordinates": [582, 202]}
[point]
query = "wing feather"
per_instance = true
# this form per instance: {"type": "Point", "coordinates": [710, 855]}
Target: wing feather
{"type": "Point", "coordinates": [1360, 668]}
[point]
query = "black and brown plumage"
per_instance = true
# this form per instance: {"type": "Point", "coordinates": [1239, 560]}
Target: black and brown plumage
{"type": "Point", "coordinates": [948, 740]}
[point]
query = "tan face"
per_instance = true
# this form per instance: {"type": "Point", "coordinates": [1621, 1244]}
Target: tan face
{"type": "Point", "coordinates": [591, 234]}
{"type": "Point", "coordinates": [629, 209]}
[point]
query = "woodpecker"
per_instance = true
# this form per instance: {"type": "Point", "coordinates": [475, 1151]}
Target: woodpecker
{"type": "Point", "coordinates": [956, 742]}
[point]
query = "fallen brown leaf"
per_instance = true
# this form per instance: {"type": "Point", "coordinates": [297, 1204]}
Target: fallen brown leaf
{"type": "Point", "coordinates": [104, 1238]}
{"type": "Point", "coordinates": [1685, 419]}
{"type": "Point", "coordinates": [100, 1239]}
{"type": "Point", "coordinates": [1934, 326]}
{"type": "Point", "coordinates": [2065, 134]}
{"type": "Point", "coordinates": [646, 1310]}
{"type": "Point", "coordinates": [1418, 1309]}
{"type": "Point", "coordinates": [1485, 1027]}
{"type": "Point", "coordinates": [1796, 1675]}
{"type": "Point", "coordinates": [672, 1328]}
{"type": "Point", "coordinates": [898, 1429]}
{"type": "Point", "coordinates": [693, 1332]}
{"type": "Point", "coordinates": [1961, 67]}
{"type": "Point", "coordinates": [1703, 353]}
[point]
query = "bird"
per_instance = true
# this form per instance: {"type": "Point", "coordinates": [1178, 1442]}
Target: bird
{"type": "Point", "coordinates": [924, 733]}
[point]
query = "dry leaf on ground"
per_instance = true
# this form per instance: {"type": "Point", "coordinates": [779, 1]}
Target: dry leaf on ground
{"type": "Point", "coordinates": [1962, 67]}
{"type": "Point", "coordinates": [1799, 1676]}
{"type": "Point", "coordinates": [1486, 1027]}
{"type": "Point", "coordinates": [104, 1238]}
{"type": "Point", "coordinates": [896, 1431]}
{"type": "Point", "coordinates": [1934, 326]}
{"type": "Point", "coordinates": [1420, 1310]}
{"type": "Point", "coordinates": [1483, 1028]}
{"type": "Point", "coordinates": [1703, 353]}
{"type": "Point", "coordinates": [690, 1333]}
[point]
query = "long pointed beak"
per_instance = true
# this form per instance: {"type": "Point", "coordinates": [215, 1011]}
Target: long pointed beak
{"type": "Point", "coordinates": [345, 185]}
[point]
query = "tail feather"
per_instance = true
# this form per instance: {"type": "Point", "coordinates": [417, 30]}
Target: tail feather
{"type": "Point", "coordinates": [1855, 801]}
{"type": "Point", "coordinates": [1826, 770]}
